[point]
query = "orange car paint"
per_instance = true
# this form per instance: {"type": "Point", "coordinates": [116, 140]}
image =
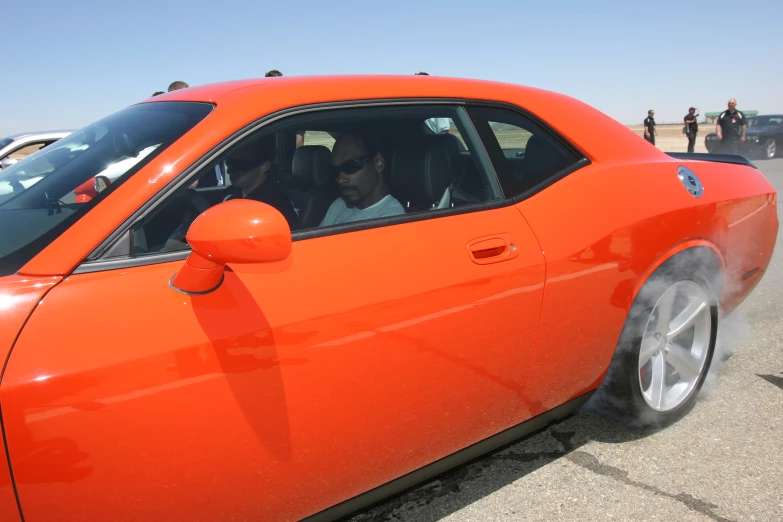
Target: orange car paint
{"type": "Point", "coordinates": [301, 383]}
{"type": "Point", "coordinates": [596, 267]}
{"type": "Point", "coordinates": [18, 298]}
{"type": "Point", "coordinates": [272, 396]}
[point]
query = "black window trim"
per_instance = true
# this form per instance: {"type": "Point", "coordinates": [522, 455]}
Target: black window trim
{"type": "Point", "coordinates": [95, 261]}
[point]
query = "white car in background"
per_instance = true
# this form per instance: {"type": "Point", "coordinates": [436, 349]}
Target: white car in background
{"type": "Point", "coordinates": [19, 146]}
{"type": "Point", "coordinates": [24, 174]}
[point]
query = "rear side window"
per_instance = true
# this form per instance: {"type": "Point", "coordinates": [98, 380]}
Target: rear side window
{"type": "Point", "coordinates": [523, 154]}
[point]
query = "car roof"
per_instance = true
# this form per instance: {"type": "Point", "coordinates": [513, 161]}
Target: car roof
{"type": "Point", "coordinates": [40, 133]}
{"type": "Point", "coordinates": [590, 129]}
{"type": "Point", "coordinates": [216, 92]}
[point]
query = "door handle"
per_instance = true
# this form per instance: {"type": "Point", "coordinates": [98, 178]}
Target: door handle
{"type": "Point", "coordinates": [492, 249]}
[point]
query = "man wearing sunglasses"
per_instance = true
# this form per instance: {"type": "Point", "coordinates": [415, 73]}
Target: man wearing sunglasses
{"type": "Point", "coordinates": [357, 165]}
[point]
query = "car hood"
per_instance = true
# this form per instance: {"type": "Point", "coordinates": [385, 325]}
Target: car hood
{"type": "Point", "coordinates": [18, 297]}
{"type": "Point", "coordinates": [761, 131]}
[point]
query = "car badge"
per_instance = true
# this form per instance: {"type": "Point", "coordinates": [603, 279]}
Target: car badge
{"type": "Point", "coordinates": [690, 181]}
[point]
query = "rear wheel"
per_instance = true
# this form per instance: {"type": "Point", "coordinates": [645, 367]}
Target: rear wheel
{"type": "Point", "coordinates": [666, 345]}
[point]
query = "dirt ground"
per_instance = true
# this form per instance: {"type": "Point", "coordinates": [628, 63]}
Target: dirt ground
{"type": "Point", "coordinates": [671, 139]}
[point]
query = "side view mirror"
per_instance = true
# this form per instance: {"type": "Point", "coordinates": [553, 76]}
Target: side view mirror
{"type": "Point", "coordinates": [101, 183]}
{"type": "Point", "coordinates": [91, 188]}
{"type": "Point", "coordinates": [7, 162]}
{"type": "Point", "coordinates": [237, 231]}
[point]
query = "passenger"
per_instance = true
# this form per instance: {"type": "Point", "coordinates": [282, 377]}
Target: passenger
{"type": "Point", "coordinates": [249, 169]}
{"type": "Point", "coordinates": [358, 167]}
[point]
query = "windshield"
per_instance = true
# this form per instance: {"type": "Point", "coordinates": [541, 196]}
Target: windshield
{"type": "Point", "coordinates": [764, 121]}
{"type": "Point", "coordinates": [44, 194]}
{"type": "Point", "coordinates": [5, 142]}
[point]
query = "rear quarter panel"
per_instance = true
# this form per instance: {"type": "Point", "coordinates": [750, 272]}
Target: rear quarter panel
{"type": "Point", "coordinates": [603, 229]}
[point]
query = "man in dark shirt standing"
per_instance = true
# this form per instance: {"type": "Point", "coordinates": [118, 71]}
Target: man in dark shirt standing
{"type": "Point", "coordinates": [649, 127]}
{"type": "Point", "coordinates": [691, 128]}
{"type": "Point", "coordinates": [731, 129]}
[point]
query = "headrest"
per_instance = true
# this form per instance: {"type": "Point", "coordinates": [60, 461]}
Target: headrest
{"type": "Point", "coordinates": [448, 142]}
{"type": "Point", "coordinates": [420, 174]}
{"type": "Point", "coordinates": [542, 157]}
{"type": "Point", "coordinates": [311, 166]}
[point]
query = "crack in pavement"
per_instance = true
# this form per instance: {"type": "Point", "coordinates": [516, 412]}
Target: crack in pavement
{"type": "Point", "coordinates": [591, 463]}
{"type": "Point", "coordinates": [454, 481]}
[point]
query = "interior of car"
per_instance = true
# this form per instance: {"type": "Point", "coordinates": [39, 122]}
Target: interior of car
{"type": "Point", "coordinates": [424, 170]}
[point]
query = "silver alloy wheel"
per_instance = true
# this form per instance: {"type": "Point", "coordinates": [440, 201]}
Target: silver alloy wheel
{"type": "Point", "coordinates": [674, 346]}
{"type": "Point", "coordinates": [770, 148]}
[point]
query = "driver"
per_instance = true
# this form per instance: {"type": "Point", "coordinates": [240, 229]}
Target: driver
{"type": "Point", "coordinates": [250, 170]}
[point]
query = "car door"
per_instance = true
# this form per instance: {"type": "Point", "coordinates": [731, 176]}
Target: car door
{"type": "Point", "coordinates": [572, 330]}
{"type": "Point", "coordinates": [369, 352]}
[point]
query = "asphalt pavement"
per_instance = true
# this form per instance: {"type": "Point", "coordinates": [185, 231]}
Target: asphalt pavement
{"type": "Point", "coordinates": [722, 462]}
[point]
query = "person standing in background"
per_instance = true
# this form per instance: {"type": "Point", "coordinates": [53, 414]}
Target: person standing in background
{"type": "Point", "coordinates": [691, 128]}
{"type": "Point", "coordinates": [649, 127]}
{"type": "Point", "coordinates": [731, 129]}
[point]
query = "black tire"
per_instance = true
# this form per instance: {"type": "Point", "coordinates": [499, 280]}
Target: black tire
{"type": "Point", "coordinates": [620, 395]}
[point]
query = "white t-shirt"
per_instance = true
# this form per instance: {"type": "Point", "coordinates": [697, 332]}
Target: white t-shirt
{"type": "Point", "coordinates": [339, 212]}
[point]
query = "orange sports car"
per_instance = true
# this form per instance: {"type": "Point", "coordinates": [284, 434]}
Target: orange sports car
{"type": "Point", "coordinates": [286, 298]}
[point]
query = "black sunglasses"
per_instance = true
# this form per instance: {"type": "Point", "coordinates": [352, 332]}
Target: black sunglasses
{"type": "Point", "coordinates": [351, 166]}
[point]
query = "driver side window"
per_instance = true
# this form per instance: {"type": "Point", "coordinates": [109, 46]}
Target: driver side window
{"type": "Point", "coordinates": [355, 167]}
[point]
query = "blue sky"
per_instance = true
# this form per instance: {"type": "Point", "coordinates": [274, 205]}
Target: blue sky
{"type": "Point", "coordinates": [69, 63]}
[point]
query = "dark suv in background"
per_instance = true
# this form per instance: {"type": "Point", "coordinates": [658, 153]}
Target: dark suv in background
{"type": "Point", "coordinates": [763, 137]}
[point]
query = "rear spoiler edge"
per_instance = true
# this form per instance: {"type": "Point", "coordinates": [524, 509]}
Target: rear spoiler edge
{"type": "Point", "coordinates": [717, 158]}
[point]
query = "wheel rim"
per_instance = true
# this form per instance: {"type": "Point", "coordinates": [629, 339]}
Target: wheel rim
{"type": "Point", "coordinates": [675, 345]}
{"type": "Point", "coordinates": [771, 148]}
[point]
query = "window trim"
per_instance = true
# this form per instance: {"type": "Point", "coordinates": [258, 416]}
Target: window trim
{"type": "Point", "coordinates": [122, 262]}
{"type": "Point", "coordinates": [231, 140]}
{"type": "Point", "coordinates": [95, 261]}
{"type": "Point", "coordinates": [110, 243]}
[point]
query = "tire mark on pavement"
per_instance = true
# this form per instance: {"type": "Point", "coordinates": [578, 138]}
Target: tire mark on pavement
{"type": "Point", "coordinates": [591, 463]}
